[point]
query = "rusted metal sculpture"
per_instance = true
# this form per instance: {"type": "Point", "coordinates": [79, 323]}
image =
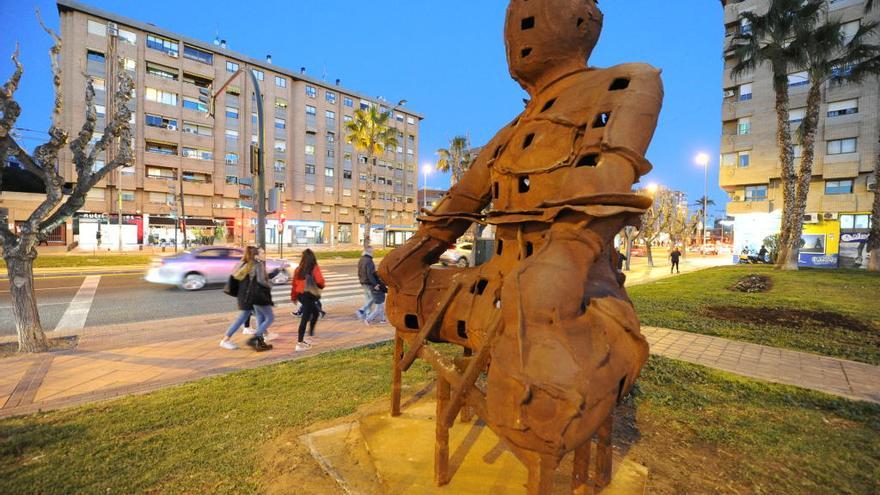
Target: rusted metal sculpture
{"type": "Point", "coordinates": [546, 320]}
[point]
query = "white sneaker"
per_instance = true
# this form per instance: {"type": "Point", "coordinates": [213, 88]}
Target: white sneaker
{"type": "Point", "coordinates": [303, 346]}
{"type": "Point", "coordinates": [272, 336]}
{"type": "Point", "coordinates": [248, 331]}
{"type": "Point", "coordinates": [228, 344]}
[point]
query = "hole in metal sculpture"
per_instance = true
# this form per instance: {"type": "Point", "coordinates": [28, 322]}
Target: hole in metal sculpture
{"type": "Point", "coordinates": [497, 152]}
{"type": "Point", "coordinates": [588, 160]}
{"type": "Point", "coordinates": [530, 248]}
{"type": "Point", "coordinates": [620, 388]}
{"type": "Point", "coordinates": [528, 140]}
{"type": "Point", "coordinates": [580, 21]}
{"type": "Point", "coordinates": [525, 52]}
{"type": "Point", "coordinates": [601, 120]}
{"type": "Point", "coordinates": [462, 329]}
{"type": "Point", "coordinates": [527, 23]}
{"type": "Point", "coordinates": [524, 184]}
{"type": "Point", "coordinates": [548, 105]}
{"type": "Point", "coordinates": [618, 84]}
{"type": "Point", "coordinates": [495, 190]}
{"type": "Point", "coordinates": [481, 286]}
{"type": "Point", "coordinates": [411, 321]}
{"type": "Point", "coordinates": [499, 247]}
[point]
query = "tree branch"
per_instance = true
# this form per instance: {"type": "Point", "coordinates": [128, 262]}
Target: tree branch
{"type": "Point", "coordinates": [10, 109]}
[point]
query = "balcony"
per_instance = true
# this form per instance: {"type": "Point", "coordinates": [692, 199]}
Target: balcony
{"type": "Point", "coordinates": [159, 185]}
{"type": "Point", "coordinates": [198, 188]}
{"type": "Point", "coordinates": [841, 170]}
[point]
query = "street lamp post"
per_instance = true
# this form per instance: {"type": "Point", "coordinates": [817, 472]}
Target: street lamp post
{"type": "Point", "coordinates": [702, 159]}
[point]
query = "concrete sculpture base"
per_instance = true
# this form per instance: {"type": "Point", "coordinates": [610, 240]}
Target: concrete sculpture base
{"type": "Point", "coordinates": [378, 454]}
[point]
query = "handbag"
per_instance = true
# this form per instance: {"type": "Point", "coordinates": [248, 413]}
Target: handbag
{"type": "Point", "coordinates": [311, 287]}
{"type": "Point", "coordinates": [231, 287]}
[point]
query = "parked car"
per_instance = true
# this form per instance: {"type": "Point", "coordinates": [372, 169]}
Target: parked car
{"type": "Point", "coordinates": [709, 249]}
{"type": "Point", "coordinates": [460, 254]}
{"type": "Point", "coordinates": [194, 269]}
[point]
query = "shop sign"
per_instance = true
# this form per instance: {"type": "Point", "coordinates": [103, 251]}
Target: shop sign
{"type": "Point", "coordinates": [818, 260]}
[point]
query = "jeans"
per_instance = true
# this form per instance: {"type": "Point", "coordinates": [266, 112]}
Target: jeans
{"type": "Point", "coordinates": [368, 297]}
{"type": "Point", "coordinates": [377, 315]}
{"type": "Point", "coordinates": [265, 317]}
{"type": "Point", "coordinates": [243, 317]}
{"type": "Point", "coordinates": [309, 315]}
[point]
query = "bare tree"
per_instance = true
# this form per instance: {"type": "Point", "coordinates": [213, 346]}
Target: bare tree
{"type": "Point", "coordinates": [19, 248]}
{"type": "Point", "coordinates": [657, 220]}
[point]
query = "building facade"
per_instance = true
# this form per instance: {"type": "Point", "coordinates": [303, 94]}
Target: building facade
{"type": "Point", "coordinates": [190, 158]}
{"type": "Point", "coordinates": [842, 187]}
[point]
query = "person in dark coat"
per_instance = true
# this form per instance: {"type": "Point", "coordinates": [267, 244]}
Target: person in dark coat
{"type": "Point", "coordinates": [368, 279]}
{"type": "Point", "coordinates": [244, 297]}
{"type": "Point", "coordinates": [674, 256]}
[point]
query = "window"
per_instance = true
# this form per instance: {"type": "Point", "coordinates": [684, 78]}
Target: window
{"type": "Point", "coordinates": [95, 57]}
{"type": "Point", "coordinates": [841, 146]}
{"type": "Point", "coordinates": [798, 79]}
{"type": "Point", "coordinates": [839, 186]}
{"type": "Point", "coordinates": [745, 92]}
{"type": "Point", "coordinates": [348, 102]}
{"type": "Point", "coordinates": [259, 74]}
{"type": "Point", "coordinates": [330, 96]}
{"type": "Point", "coordinates": [796, 115]}
{"type": "Point", "coordinates": [193, 104]}
{"type": "Point", "coordinates": [130, 65]}
{"type": "Point", "coordinates": [232, 158]}
{"type": "Point", "coordinates": [280, 82]}
{"type": "Point", "coordinates": [199, 81]}
{"type": "Point", "coordinates": [231, 135]}
{"type": "Point", "coordinates": [743, 158]}
{"type": "Point", "coordinates": [743, 127]}
{"type": "Point", "coordinates": [197, 153]}
{"type": "Point", "coordinates": [199, 129]}
{"type": "Point", "coordinates": [127, 196]}
{"type": "Point", "coordinates": [330, 114]}
{"type": "Point", "coordinates": [99, 84]}
{"type": "Point", "coordinates": [280, 103]}
{"type": "Point", "coordinates": [309, 188]}
{"type": "Point", "coordinates": [845, 107]}
{"type": "Point", "coordinates": [194, 53]}
{"type": "Point", "coordinates": [161, 122]}
{"type": "Point", "coordinates": [281, 146]}
{"type": "Point", "coordinates": [231, 180]}
{"type": "Point", "coordinates": [194, 200]}
{"type": "Point", "coordinates": [849, 30]}
{"type": "Point", "coordinates": [160, 96]}
{"type": "Point", "coordinates": [164, 45]}
{"type": "Point", "coordinates": [310, 149]}
{"type": "Point", "coordinates": [161, 148]}
{"type": "Point", "coordinates": [96, 28]}
{"type": "Point", "coordinates": [279, 185]}
{"type": "Point", "coordinates": [862, 221]}
{"type": "Point", "coordinates": [231, 66]}
{"type": "Point", "coordinates": [346, 174]}
{"type": "Point", "coordinates": [331, 137]}
{"type": "Point", "coordinates": [399, 117]}
{"type": "Point", "coordinates": [328, 171]}
{"type": "Point", "coordinates": [196, 177]}
{"type": "Point", "coordinates": [310, 169]}
{"type": "Point", "coordinates": [280, 165]}
{"type": "Point", "coordinates": [311, 112]}
{"type": "Point", "coordinates": [231, 113]}
{"type": "Point", "coordinates": [161, 71]}
{"type": "Point", "coordinates": [161, 173]}
{"type": "Point", "coordinates": [161, 198]}
{"type": "Point", "coordinates": [838, 73]}
{"type": "Point", "coordinates": [311, 92]}
{"type": "Point", "coordinates": [128, 37]}
{"type": "Point", "coordinates": [756, 193]}
{"type": "Point", "coordinates": [280, 123]}
{"type": "Point", "coordinates": [411, 120]}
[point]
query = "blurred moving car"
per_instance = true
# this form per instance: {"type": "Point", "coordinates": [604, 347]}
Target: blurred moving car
{"type": "Point", "coordinates": [460, 254]}
{"type": "Point", "coordinates": [193, 270]}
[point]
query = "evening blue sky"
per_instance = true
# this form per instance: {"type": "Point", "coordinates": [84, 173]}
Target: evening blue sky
{"type": "Point", "coordinates": [445, 57]}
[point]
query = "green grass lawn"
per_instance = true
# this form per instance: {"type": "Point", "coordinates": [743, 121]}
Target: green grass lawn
{"type": "Point", "coordinates": [76, 261]}
{"type": "Point", "coordinates": [684, 302]}
{"type": "Point", "coordinates": [695, 429]}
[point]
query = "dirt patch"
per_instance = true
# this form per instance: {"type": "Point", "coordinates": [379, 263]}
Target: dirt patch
{"type": "Point", "coordinates": [753, 283]}
{"type": "Point", "coordinates": [790, 318]}
{"type": "Point", "coordinates": [9, 349]}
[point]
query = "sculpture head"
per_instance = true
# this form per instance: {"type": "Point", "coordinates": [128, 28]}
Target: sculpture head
{"type": "Point", "coordinates": [549, 37]}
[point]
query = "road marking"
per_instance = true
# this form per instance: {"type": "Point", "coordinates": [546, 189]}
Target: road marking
{"type": "Point", "coordinates": [75, 316]}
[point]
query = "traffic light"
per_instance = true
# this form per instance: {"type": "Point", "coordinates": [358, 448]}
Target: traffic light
{"type": "Point", "coordinates": [274, 197]}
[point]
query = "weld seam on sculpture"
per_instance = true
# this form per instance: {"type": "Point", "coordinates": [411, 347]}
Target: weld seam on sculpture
{"type": "Point", "coordinates": [547, 317]}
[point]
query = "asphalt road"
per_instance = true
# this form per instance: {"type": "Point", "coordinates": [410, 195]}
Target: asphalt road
{"type": "Point", "coordinates": [127, 298]}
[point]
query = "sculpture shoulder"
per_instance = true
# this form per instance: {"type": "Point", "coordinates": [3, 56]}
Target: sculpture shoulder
{"type": "Point", "coordinates": [493, 149]}
{"type": "Point", "coordinates": [624, 78]}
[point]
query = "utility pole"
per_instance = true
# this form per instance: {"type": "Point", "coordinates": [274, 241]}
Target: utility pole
{"type": "Point", "coordinates": [182, 211]}
{"type": "Point", "coordinates": [109, 110]}
{"type": "Point", "coordinates": [258, 168]}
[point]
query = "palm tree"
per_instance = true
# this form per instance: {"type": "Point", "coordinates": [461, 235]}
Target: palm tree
{"type": "Point", "coordinates": [827, 55]}
{"type": "Point", "coordinates": [368, 131]}
{"type": "Point", "coordinates": [457, 158]}
{"type": "Point", "coordinates": [872, 67]}
{"type": "Point", "coordinates": [769, 41]}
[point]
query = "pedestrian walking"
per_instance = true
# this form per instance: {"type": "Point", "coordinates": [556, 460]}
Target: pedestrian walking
{"type": "Point", "coordinates": [674, 256]}
{"type": "Point", "coordinates": [621, 258]}
{"type": "Point", "coordinates": [377, 315]}
{"type": "Point", "coordinates": [308, 281]}
{"type": "Point", "coordinates": [368, 279]}
{"type": "Point", "coordinates": [240, 286]}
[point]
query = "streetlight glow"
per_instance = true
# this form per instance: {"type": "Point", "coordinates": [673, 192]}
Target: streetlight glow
{"type": "Point", "coordinates": [702, 159]}
{"type": "Point", "coordinates": [652, 187]}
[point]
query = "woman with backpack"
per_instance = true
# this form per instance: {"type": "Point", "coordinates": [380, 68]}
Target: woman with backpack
{"type": "Point", "coordinates": [250, 284]}
{"type": "Point", "coordinates": [308, 281]}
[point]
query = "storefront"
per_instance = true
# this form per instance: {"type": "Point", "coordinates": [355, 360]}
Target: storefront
{"type": "Point", "coordinates": [305, 233]}
{"type": "Point", "coordinates": [819, 244]}
{"type": "Point", "coordinates": [751, 229]}
{"type": "Point", "coordinates": [854, 231]}
{"type": "Point", "coordinates": [165, 231]}
{"type": "Point", "coordinates": [397, 235]}
{"type": "Point", "coordinates": [377, 233]}
{"type": "Point", "coordinates": [102, 231]}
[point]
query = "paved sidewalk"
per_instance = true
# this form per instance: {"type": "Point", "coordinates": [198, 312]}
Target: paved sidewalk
{"type": "Point", "coordinates": [834, 376]}
{"type": "Point", "coordinates": [119, 360]}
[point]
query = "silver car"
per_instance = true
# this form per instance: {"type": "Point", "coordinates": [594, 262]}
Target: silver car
{"type": "Point", "coordinates": [193, 270]}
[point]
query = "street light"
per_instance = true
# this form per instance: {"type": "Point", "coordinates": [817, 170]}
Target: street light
{"type": "Point", "coordinates": [426, 169]}
{"type": "Point", "coordinates": [702, 159]}
{"type": "Point", "coordinates": [652, 188]}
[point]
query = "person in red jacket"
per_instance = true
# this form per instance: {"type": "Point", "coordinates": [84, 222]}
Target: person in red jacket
{"type": "Point", "coordinates": [306, 289]}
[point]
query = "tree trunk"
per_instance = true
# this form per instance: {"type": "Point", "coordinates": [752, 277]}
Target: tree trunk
{"type": "Point", "coordinates": [786, 156]}
{"type": "Point", "coordinates": [805, 174]}
{"type": "Point", "coordinates": [873, 247]}
{"type": "Point", "coordinates": [368, 202]}
{"type": "Point", "coordinates": [650, 254]}
{"type": "Point", "coordinates": [20, 267]}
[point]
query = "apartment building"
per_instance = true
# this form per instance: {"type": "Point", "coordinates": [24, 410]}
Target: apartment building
{"type": "Point", "coordinates": [188, 163]}
{"type": "Point", "coordinates": [842, 187]}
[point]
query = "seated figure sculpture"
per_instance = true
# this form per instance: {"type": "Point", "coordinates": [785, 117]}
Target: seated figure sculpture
{"type": "Point", "coordinates": [547, 315]}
